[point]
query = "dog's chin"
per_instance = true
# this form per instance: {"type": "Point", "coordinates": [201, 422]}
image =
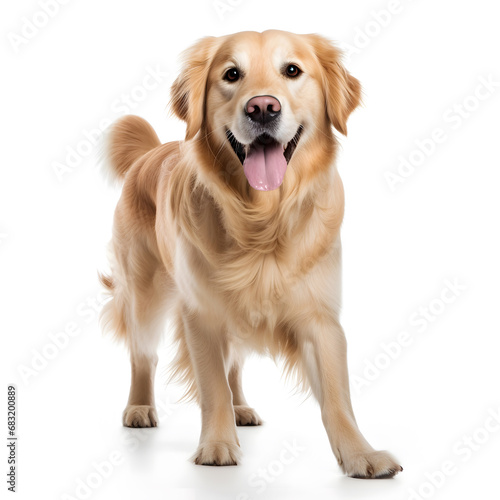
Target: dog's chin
{"type": "Point", "coordinates": [265, 159]}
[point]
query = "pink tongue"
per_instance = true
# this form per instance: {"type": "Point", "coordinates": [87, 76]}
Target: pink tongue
{"type": "Point", "coordinates": [265, 166]}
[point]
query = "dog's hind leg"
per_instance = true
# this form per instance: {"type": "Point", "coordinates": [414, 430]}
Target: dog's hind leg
{"type": "Point", "coordinates": [136, 314]}
{"type": "Point", "coordinates": [140, 410]}
{"type": "Point", "coordinates": [244, 414]}
{"type": "Point", "coordinates": [145, 332]}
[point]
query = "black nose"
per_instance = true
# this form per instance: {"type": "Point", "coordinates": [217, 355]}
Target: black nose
{"type": "Point", "coordinates": [263, 109]}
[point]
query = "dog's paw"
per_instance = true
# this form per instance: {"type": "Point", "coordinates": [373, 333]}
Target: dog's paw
{"type": "Point", "coordinates": [140, 416]}
{"type": "Point", "coordinates": [371, 465]}
{"type": "Point", "coordinates": [217, 453]}
{"type": "Point", "coordinates": [246, 416]}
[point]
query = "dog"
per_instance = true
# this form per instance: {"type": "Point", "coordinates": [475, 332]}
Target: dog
{"type": "Point", "coordinates": [233, 234]}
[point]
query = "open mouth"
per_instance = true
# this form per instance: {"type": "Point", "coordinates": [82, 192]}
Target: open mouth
{"type": "Point", "coordinates": [264, 160]}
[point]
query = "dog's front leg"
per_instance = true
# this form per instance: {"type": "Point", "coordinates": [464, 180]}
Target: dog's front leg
{"type": "Point", "coordinates": [324, 355]}
{"type": "Point", "coordinates": [208, 351]}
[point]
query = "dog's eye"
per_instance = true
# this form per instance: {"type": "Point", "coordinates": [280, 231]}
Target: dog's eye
{"type": "Point", "coordinates": [292, 71]}
{"type": "Point", "coordinates": [232, 75]}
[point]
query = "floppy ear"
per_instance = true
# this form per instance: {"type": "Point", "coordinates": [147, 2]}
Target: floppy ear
{"type": "Point", "coordinates": [342, 91]}
{"type": "Point", "coordinates": [188, 91]}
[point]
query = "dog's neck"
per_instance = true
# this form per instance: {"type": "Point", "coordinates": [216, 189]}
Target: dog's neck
{"type": "Point", "coordinates": [265, 221]}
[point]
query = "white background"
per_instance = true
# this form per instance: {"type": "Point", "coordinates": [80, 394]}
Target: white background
{"type": "Point", "coordinates": [418, 65]}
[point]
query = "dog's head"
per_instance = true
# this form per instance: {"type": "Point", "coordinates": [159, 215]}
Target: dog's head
{"type": "Point", "coordinates": [259, 98]}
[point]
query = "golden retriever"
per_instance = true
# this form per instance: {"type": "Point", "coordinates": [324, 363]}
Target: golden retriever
{"type": "Point", "coordinates": [233, 234]}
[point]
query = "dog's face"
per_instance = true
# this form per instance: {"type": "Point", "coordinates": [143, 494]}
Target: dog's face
{"type": "Point", "coordinates": [262, 97]}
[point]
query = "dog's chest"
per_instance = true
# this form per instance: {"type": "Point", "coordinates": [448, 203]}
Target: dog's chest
{"type": "Point", "coordinates": [257, 293]}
